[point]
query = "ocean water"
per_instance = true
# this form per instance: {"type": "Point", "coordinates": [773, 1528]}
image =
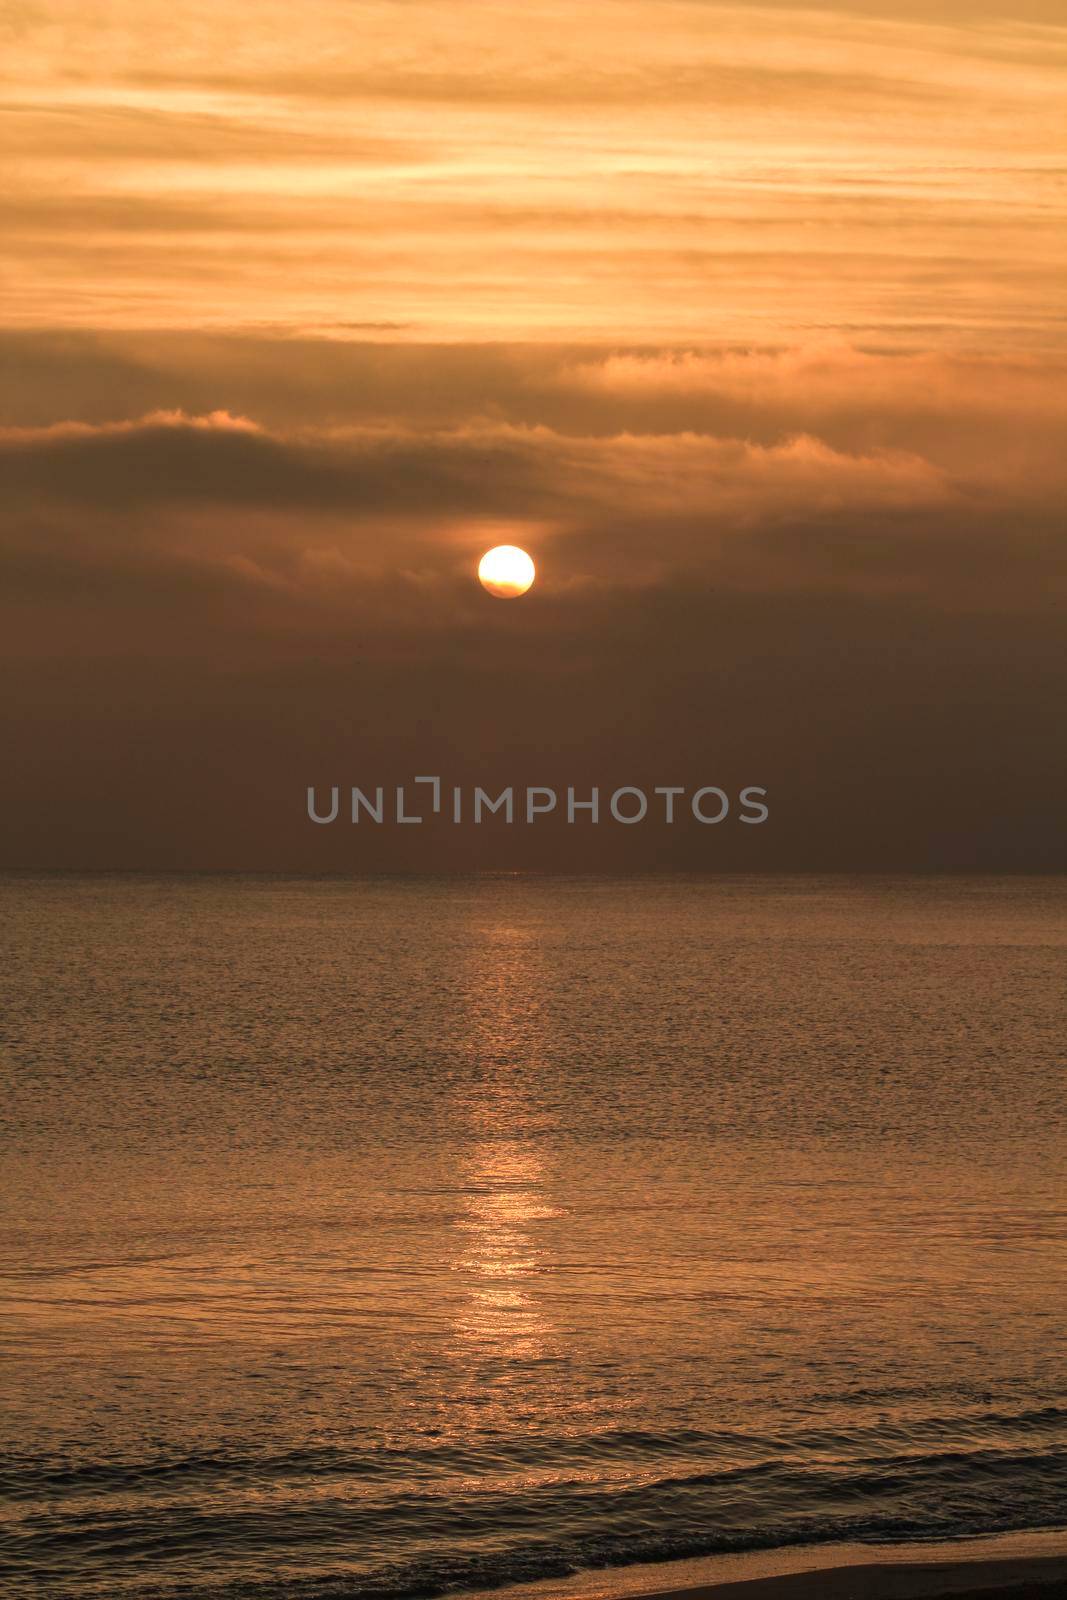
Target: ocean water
{"type": "Point", "coordinates": [391, 1237]}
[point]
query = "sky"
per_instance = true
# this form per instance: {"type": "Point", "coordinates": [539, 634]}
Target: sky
{"type": "Point", "coordinates": [748, 322]}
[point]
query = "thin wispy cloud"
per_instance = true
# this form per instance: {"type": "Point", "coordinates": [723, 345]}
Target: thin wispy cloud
{"type": "Point", "coordinates": [661, 169]}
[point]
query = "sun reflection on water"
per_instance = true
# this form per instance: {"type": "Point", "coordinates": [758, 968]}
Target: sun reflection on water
{"type": "Point", "coordinates": [502, 1253]}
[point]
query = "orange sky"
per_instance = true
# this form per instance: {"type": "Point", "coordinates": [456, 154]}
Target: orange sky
{"type": "Point", "coordinates": [746, 321]}
{"type": "Point", "coordinates": [637, 169]}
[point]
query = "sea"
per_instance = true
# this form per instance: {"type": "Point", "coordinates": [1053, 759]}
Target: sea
{"type": "Point", "coordinates": [404, 1236]}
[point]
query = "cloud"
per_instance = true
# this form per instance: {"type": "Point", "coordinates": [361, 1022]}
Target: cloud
{"type": "Point", "coordinates": [14, 439]}
{"type": "Point", "coordinates": [497, 175]}
{"type": "Point", "coordinates": [979, 419]}
{"type": "Point", "coordinates": [332, 515]}
{"type": "Point", "coordinates": [991, 414]}
{"type": "Point", "coordinates": [821, 377]}
{"type": "Point", "coordinates": [222, 459]}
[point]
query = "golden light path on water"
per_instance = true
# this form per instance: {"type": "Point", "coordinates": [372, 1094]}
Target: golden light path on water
{"type": "Point", "coordinates": [499, 1255]}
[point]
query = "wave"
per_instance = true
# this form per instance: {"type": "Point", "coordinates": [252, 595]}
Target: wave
{"type": "Point", "coordinates": [27, 1477]}
{"type": "Point", "coordinates": [406, 1523]}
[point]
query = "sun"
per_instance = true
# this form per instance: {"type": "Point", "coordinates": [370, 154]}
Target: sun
{"type": "Point", "coordinates": [506, 571]}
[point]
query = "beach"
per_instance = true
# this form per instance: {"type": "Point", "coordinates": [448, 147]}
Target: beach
{"type": "Point", "coordinates": [1023, 1566]}
{"type": "Point", "coordinates": [1037, 1579]}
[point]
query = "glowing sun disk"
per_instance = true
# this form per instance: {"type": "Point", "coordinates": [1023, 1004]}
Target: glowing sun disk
{"type": "Point", "coordinates": [506, 571]}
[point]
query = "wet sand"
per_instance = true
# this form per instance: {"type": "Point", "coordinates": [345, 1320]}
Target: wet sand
{"type": "Point", "coordinates": [1018, 1566]}
{"type": "Point", "coordinates": [1024, 1578]}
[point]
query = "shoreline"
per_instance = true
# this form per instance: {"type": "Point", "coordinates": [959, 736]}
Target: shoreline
{"type": "Point", "coordinates": [1014, 1566]}
{"type": "Point", "coordinates": [1027, 1578]}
